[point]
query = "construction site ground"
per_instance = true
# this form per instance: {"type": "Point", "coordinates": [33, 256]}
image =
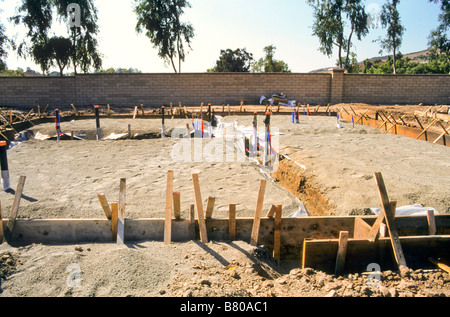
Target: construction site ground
{"type": "Point", "coordinates": [335, 167]}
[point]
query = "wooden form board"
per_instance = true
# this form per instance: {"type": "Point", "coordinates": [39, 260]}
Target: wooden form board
{"type": "Point", "coordinates": [321, 254]}
{"type": "Point", "coordinates": [411, 132]}
{"type": "Point", "coordinates": [293, 230]}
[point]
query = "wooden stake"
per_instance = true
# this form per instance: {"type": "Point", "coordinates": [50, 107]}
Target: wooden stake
{"type": "Point", "coordinates": [257, 220]}
{"type": "Point", "coordinates": [232, 222]}
{"type": "Point", "coordinates": [114, 219]}
{"type": "Point", "coordinates": [191, 213]}
{"type": "Point", "coordinates": [429, 126]}
{"type": "Point", "coordinates": [390, 221]}
{"type": "Point", "coordinates": [105, 205]}
{"type": "Point", "coordinates": [272, 211]}
{"type": "Point", "coordinates": [108, 112]}
{"type": "Point", "coordinates": [210, 207]}
{"type": "Point", "coordinates": [342, 252]}
{"type": "Point", "coordinates": [75, 110]}
{"type": "Point", "coordinates": [169, 200]}
{"type": "Point", "coordinates": [199, 205]}
{"type": "Point", "coordinates": [121, 214]}
{"type": "Point", "coordinates": [177, 205]}
{"type": "Point", "coordinates": [2, 234]}
{"type": "Point", "coordinates": [135, 112]}
{"type": "Point", "coordinates": [14, 209]}
{"type": "Point", "coordinates": [143, 112]}
{"type": "Point", "coordinates": [277, 234]}
{"type": "Point", "coordinates": [431, 222]}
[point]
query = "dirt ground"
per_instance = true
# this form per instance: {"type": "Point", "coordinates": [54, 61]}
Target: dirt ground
{"type": "Point", "coordinates": [63, 179]}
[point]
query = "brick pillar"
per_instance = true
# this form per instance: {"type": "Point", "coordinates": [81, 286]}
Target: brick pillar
{"type": "Point", "coordinates": [337, 85]}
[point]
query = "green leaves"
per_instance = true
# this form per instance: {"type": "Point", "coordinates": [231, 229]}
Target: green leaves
{"type": "Point", "coordinates": [160, 20]}
{"type": "Point", "coordinates": [230, 61]}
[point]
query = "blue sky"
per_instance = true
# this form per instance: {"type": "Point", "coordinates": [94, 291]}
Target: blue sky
{"type": "Point", "coordinates": [222, 24]}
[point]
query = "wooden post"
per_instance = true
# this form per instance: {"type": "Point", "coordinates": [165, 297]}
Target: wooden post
{"type": "Point", "coordinates": [105, 205]}
{"type": "Point", "coordinates": [198, 203]}
{"type": "Point", "coordinates": [257, 220]}
{"type": "Point", "coordinates": [14, 209]}
{"type": "Point", "coordinates": [342, 252]}
{"type": "Point", "coordinates": [177, 205]}
{"type": "Point", "coordinates": [2, 234]}
{"type": "Point", "coordinates": [232, 222]}
{"type": "Point", "coordinates": [277, 234]}
{"type": "Point", "coordinates": [114, 219]}
{"type": "Point", "coordinates": [108, 112]}
{"type": "Point", "coordinates": [129, 131]}
{"type": "Point", "coordinates": [431, 222]}
{"type": "Point", "coordinates": [121, 213]}
{"type": "Point", "coordinates": [135, 112]}
{"type": "Point", "coordinates": [143, 112]}
{"type": "Point", "coordinates": [169, 200]}
{"type": "Point", "coordinates": [272, 211]}
{"type": "Point", "coordinates": [390, 221]}
{"type": "Point", "coordinates": [210, 207]}
{"type": "Point", "coordinates": [6, 182]}
{"type": "Point", "coordinates": [192, 214]}
{"type": "Point", "coordinates": [75, 110]}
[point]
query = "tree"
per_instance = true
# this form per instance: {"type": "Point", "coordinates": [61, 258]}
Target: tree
{"type": "Point", "coordinates": [160, 19]}
{"type": "Point", "coordinates": [61, 50]}
{"type": "Point", "coordinates": [439, 41]}
{"type": "Point", "coordinates": [269, 64]}
{"type": "Point", "coordinates": [331, 17]}
{"type": "Point", "coordinates": [390, 19]}
{"type": "Point", "coordinates": [237, 61]}
{"type": "Point", "coordinates": [37, 16]}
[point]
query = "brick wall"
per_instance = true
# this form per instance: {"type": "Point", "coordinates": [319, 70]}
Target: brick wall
{"type": "Point", "coordinates": [194, 88]}
{"type": "Point", "coordinates": [397, 89]}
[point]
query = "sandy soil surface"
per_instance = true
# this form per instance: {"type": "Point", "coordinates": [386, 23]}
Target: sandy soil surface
{"type": "Point", "coordinates": [341, 163]}
{"type": "Point", "coordinates": [63, 179]}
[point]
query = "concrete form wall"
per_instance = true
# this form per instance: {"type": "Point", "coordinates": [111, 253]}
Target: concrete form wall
{"type": "Point", "coordinates": [229, 88]}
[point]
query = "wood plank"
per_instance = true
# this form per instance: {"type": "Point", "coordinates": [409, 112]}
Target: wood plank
{"type": "Point", "coordinates": [105, 205]}
{"type": "Point", "coordinates": [257, 221]}
{"type": "Point", "coordinates": [114, 219]}
{"type": "Point", "coordinates": [210, 207]}
{"type": "Point", "coordinates": [440, 264]}
{"type": "Point", "coordinates": [199, 205]}
{"type": "Point", "coordinates": [121, 213]}
{"type": "Point", "coordinates": [390, 221]}
{"type": "Point", "coordinates": [232, 222]}
{"type": "Point", "coordinates": [14, 209]}
{"type": "Point", "coordinates": [277, 234]}
{"type": "Point", "coordinates": [321, 254]}
{"type": "Point", "coordinates": [431, 222]}
{"type": "Point", "coordinates": [168, 209]}
{"type": "Point", "coordinates": [361, 229]}
{"type": "Point", "coordinates": [177, 205]}
{"type": "Point", "coordinates": [342, 252]}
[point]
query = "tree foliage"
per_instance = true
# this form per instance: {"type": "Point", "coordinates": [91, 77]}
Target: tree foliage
{"type": "Point", "coordinates": [237, 61]}
{"type": "Point", "coordinates": [269, 64]}
{"type": "Point", "coordinates": [390, 19]}
{"type": "Point", "coordinates": [61, 50]}
{"type": "Point", "coordinates": [405, 65]}
{"type": "Point", "coordinates": [439, 39]}
{"type": "Point", "coordinates": [37, 16]}
{"type": "Point", "coordinates": [161, 22]}
{"type": "Point", "coordinates": [335, 24]}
